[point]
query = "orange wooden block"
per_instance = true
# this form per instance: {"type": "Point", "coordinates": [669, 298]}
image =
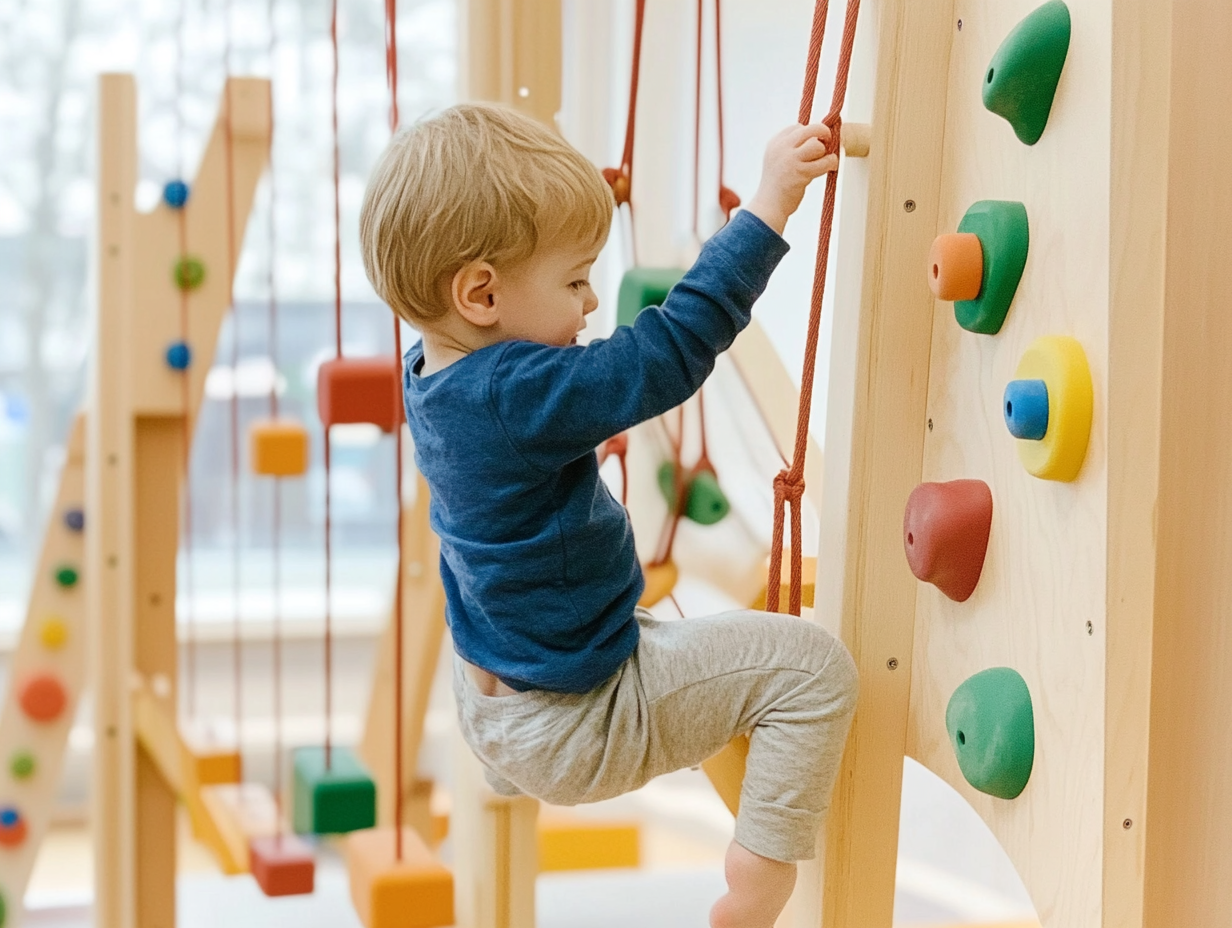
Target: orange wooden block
{"type": "Point", "coordinates": [956, 266]}
{"type": "Point", "coordinates": [278, 448]}
{"type": "Point", "coordinates": [42, 696]}
{"type": "Point", "coordinates": [353, 390]}
{"type": "Point", "coordinates": [414, 892]}
{"type": "Point", "coordinates": [571, 842]}
{"type": "Point", "coordinates": [207, 762]}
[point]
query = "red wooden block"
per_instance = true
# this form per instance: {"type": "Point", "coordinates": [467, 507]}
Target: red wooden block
{"type": "Point", "coordinates": [352, 390]}
{"type": "Point", "coordinates": [42, 696]}
{"type": "Point", "coordinates": [282, 865]}
{"type": "Point", "coordinates": [945, 534]}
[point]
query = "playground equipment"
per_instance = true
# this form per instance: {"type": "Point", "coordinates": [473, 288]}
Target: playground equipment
{"type": "Point", "coordinates": [1093, 642]}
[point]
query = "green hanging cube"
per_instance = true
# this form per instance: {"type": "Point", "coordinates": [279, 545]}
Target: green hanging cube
{"type": "Point", "coordinates": [706, 503]}
{"type": "Point", "coordinates": [1022, 77]}
{"type": "Point", "coordinates": [1001, 226]}
{"type": "Point", "coordinates": [992, 729]}
{"type": "Point", "coordinates": [331, 800]}
{"type": "Point", "coordinates": [642, 287]}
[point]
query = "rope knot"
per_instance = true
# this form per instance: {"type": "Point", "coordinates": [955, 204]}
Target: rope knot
{"type": "Point", "coordinates": [789, 487]}
{"type": "Point", "coordinates": [835, 124]}
{"type": "Point", "coordinates": [618, 179]}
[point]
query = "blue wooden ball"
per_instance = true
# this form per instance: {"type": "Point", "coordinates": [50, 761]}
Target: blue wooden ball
{"type": "Point", "coordinates": [175, 194]}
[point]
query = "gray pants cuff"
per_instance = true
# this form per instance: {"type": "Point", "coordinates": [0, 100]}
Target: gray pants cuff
{"type": "Point", "coordinates": [777, 832]}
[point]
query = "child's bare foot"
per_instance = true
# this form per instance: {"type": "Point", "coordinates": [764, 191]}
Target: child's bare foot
{"type": "Point", "coordinates": [757, 890]}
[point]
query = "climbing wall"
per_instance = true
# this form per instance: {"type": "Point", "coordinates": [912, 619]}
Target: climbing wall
{"type": "Point", "coordinates": [46, 678]}
{"type": "Point", "coordinates": [1039, 604]}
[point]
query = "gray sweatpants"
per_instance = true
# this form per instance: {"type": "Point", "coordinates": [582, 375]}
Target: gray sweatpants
{"type": "Point", "coordinates": [689, 688]}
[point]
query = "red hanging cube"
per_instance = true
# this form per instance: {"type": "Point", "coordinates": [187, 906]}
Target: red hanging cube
{"type": "Point", "coordinates": [353, 390]}
{"type": "Point", "coordinates": [282, 865]}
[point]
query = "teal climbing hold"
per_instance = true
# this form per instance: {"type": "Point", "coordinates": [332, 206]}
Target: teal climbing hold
{"type": "Point", "coordinates": [642, 287]}
{"type": "Point", "coordinates": [1001, 226]}
{"type": "Point", "coordinates": [706, 503]}
{"type": "Point", "coordinates": [1022, 77]}
{"type": "Point", "coordinates": [992, 730]}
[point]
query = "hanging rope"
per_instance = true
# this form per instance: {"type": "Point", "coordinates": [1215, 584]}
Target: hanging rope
{"type": "Point", "coordinates": [329, 563]}
{"type": "Point", "coordinates": [728, 199]}
{"type": "Point", "coordinates": [236, 644]}
{"type": "Point", "coordinates": [391, 74]}
{"type": "Point", "coordinates": [276, 513]}
{"type": "Point", "coordinates": [789, 484]}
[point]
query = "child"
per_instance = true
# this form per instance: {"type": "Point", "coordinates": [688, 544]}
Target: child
{"type": "Point", "coordinates": [479, 228]}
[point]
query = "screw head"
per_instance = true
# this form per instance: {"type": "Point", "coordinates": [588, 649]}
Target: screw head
{"type": "Point", "coordinates": [1127, 824]}
{"type": "Point", "coordinates": [930, 425]}
{"type": "Point", "coordinates": [909, 206]}
{"type": "Point", "coordinates": [892, 663]}
{"type": "Point", "coordinates": [1090, 628]}
{"type": "Point", "coordinates": [960, 25]}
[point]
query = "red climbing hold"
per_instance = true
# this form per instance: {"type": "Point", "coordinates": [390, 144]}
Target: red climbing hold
{"type": "Point", "coordinates": [42, 697]}
{"type": "Point", "coordinates": [945, 534]}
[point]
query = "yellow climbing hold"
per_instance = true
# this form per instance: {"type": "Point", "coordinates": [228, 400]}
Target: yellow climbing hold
{"type": "Point", "coordinates": [1060, 362]}
{"type": "Point", "coordinates": [660, 581]}
{"type": "Point", "coordinates": [53, 633]}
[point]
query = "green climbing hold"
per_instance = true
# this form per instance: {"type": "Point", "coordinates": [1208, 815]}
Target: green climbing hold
{"type": "Point", "coordinates": [22, 765]}
{"type": "Point", "coordinates": [1001, 226]}
{"type": "Point", "coordinates": [189, 273]}
{"type": "Point", "coordinates": [4, 911]}
{"type": "Point", "coordinates": [706, 503]}
{"type": "Point", "coordinates": [642, 287]}
{"type": "Point", "coordinates": [66, 576]}
{"type": "Point", "coordinates": [992, 730]}
{"type": "Point", "coordinates": [1022, 77]}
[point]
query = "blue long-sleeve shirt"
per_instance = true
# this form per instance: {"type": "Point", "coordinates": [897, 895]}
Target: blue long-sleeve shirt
{"type": "Point", "coordinates": [537, 557]}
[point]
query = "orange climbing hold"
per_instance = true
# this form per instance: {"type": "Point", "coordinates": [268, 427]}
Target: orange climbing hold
{"type": "Point", "coordinates": [956, 266]}
{"type": "Point", "coordinates": [278, 448]}
{"type": "Point", "coordinates": [354, 390]}
{"type": "Point", "coordinates": [42, 697]}
{"type": "Point", "coordinates": [660, 581]}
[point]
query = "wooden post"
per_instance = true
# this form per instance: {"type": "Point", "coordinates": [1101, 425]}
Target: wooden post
{"type": "Point", "coordinates": [510, 51]}
{"type": "Point", "coordinates": [135, 469]}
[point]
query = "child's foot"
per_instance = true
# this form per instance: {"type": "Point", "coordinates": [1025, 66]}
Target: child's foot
{"type": "Point", "coordinates": [757, 890]}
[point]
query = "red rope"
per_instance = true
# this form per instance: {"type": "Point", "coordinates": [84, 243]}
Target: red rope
{"type": "Point", "coordinates": [789, 484]}
{"type": "Point", "coordinates": [276, 513]}
{"type": "Point", "coordinates": [329, 564]}
{"type": "Point", "coordinates": [391, 69]}
{"type": "Point", "coordinates": [728, 199]}
{"type": "Point", "coordinates": [236, 644]}
{"type": "Point", "coordinates": [621, 179]}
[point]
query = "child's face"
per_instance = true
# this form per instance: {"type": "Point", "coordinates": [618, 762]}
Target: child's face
{"type": "Point", "coordinates": [546, 298]}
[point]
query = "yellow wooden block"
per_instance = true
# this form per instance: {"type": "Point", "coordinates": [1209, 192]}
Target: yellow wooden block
{"type": "Point", "coordinates": [726, 771]}
{"type": "Point", "coordinates": [660, 581]}
{"type": "Point", "coordinates": [238, 812]}
{"type": "Point", "coordinates": [808, 575]}
{"type": "Point", "coordinates": [414, 892]}
{"type": "Point", "coordinates": [207, 762]}
{"type": "Point", "coordinates": [570, 842]}
{"type": "Point", "coordinates": [278, 448]}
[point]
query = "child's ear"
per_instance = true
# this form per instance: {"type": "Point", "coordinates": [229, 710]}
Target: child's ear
{"type": "Point", "coordinates": [473, 292]}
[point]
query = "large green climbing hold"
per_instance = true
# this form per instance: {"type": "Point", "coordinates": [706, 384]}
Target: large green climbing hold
{"type": "Point", "coordinates": [992, 730]}
{"type": "Point", "coordinates": [705, 504]}
{"type": "Point", "coordinates": [642, 287]}
{"type": "Point", "coordinates": [1001, 226]}
{"type": "Point", "coordinates": [1022, 77]}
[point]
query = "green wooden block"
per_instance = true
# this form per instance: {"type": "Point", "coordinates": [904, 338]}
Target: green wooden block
{"type": "Point", "coordinates": [1001, 226]}
{"type": "Point", "coordinates": [642, 287]}
{"type": "Point", "coordinates": [333, 800]}
{"type": "Point", "coordinates": [1022, 77]}
{"type": "Point", "coordinates": [706, 505]}
{"type": "Point", "coordinates": [992, 730]}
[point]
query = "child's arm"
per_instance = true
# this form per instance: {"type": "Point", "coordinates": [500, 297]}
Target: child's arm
{"type": "Point", "coordinates": [557, 404]}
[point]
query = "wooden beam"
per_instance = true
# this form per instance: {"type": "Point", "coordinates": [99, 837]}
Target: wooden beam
{"type": "Point", "coordinates": [510, 51]}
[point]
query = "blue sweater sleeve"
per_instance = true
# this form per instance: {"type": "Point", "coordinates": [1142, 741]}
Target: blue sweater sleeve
{"type": "Point", "coordinates": [557, 404]}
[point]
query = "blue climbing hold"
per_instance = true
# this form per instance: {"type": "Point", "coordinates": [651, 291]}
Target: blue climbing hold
{"type": "Point", "coordinates": [74, 519]}
{"type": "Point", "coordinates": [1026, 409]}
{"type": "Point", "coordinates": [175, 194]}
{"type": "Point", "coordinates": [9, 817]}
{"type": "Point", "coordinates": [179, 356]}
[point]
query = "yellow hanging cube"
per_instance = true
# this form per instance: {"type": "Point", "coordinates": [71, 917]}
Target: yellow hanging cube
{"type": "Point", "coordinates": [278, 448]}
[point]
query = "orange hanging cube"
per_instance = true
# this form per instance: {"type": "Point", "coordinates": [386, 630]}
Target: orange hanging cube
{"type": "Point", "coordinates": [278, 448]}
{"type": "Point", "coordinates": [414, 892]}
{"type": "Point", "coordinates": [354, 390]}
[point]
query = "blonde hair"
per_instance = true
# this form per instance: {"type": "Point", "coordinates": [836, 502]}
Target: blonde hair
{"type": "Point", "coordinates": [478, 182]}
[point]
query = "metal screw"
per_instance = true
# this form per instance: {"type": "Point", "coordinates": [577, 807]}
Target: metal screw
{"type": "Point", "coordinates": [909, 206]}
{"type": "Point", "coordinates": [892, 663]}
{"type": "Point", "coordinates": [111, 731]}
{"type": "Point", "coordinates": [112, 560]}
{"type": "Point", "coordinates": [112, 459]}
{"type": "Point", "coordinates": [1127, 824]}
{"type": "Point", "coordinates": [930, 425]}
{"type": "Point", "coordinates": [155, 599]}
{"type": "Point", "coordinates": [1090, 629]}
{"type": "Point", "coordinates": [960, 25]}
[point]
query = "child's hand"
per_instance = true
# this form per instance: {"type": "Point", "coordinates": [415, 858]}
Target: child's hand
{"type": "Point", "coordinates": [794, 158]}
